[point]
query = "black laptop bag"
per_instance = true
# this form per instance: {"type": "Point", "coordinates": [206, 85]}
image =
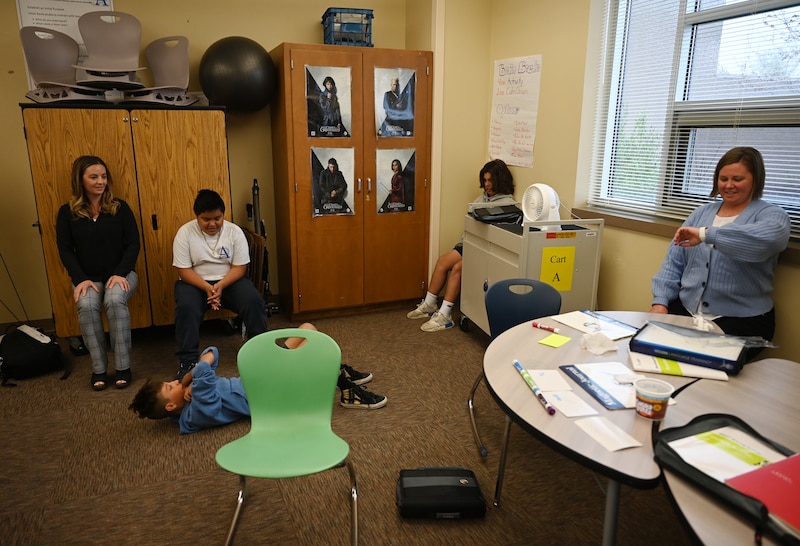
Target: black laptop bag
{"type": "Point", "coordinates": [440, 493]}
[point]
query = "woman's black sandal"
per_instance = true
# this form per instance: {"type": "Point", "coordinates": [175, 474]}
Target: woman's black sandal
{"type": "Point", "coordinates": [122, 379]}
{"type": "Point", "coordinates": [99, 381]}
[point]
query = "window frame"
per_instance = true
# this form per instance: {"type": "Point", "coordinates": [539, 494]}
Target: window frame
{"type": "Point", "coordinates": [682, 118]}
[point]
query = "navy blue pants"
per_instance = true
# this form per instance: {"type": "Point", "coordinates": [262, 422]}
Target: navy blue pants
{"type": "Point", "coordinates": [240, 297]}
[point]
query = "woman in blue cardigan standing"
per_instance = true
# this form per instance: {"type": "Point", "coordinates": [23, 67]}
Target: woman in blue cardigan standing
{"type": "Point", "coordinates": [721, 262]}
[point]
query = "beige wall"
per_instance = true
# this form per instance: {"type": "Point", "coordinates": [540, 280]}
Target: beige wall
{"type": "Point", "coordinates": [249, 138]}
{"type": "Point", "coordinates": [466, 91]}
{"type": "Point", "coordinates": [469, 37]}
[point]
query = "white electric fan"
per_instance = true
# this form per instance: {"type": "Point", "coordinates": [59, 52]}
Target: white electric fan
{"type": "Point", "coordinates": [540, 202]}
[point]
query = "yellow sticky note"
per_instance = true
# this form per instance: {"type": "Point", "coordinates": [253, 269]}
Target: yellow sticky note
{"type": "Point", "coordinates": [554, 340]}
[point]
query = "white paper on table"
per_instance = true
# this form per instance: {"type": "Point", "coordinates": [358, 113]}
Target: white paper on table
{"type": "Point", "coordinates": [609, 435]}
{"type": "Point", "coordinates": [717, 462]}
{"type": "Point", "coordinates": [570, 404]}
{"type": "Point", "coordinates": [549, 380]}
{"type": "Point", "coordinates": [652, 364]}
{"type": "Point", "coordinates": [604, 375]}
{"type": "Point", "coordinates": [591, 322]}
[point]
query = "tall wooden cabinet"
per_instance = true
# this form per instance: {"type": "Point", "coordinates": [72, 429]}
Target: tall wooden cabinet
{"type": "Point", "coordinates": [368, 255]}
{"type": "Point", "coordinates": [158, 158]}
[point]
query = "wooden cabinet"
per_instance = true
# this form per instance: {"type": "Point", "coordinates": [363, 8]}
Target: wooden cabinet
{"type": "Point", "coordinates": [368, 254]}
{"type": "Point", "coordinates": [158, 158]}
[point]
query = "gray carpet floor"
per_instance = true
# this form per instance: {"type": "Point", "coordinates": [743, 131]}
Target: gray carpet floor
{"type": "Point", "coordinates": [79, 468]}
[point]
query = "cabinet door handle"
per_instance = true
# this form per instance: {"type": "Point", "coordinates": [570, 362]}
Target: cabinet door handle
{"type": "Point", "coordinates": [154, 220]}
{"type": "Point", "coordinates": [359, 186]}
{"type": "Point", "coordinates": [369, 185]}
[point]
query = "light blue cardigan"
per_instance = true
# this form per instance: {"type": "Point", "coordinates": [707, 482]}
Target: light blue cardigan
{"type": "Point", "coordinates": [732, 278]}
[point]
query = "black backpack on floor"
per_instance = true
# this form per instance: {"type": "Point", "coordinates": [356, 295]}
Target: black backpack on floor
{"type": "Point", "coordinates": [27, 352]}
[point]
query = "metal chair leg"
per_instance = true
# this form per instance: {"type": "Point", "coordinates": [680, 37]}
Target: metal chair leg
{"type": "Point", "coordinates": [470, 405]}
{"type": "Point", "coordinates": [498, 489]}
{"type": "Point", "coordinates": [612, 511]}
{"type": "Point", "coordinates": [353, 504]}
{"type": "Point", "coordinates": [239, 503]}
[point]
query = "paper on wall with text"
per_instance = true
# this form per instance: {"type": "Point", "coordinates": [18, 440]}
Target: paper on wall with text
{"type": "Point", "coordinates": [515, 105]}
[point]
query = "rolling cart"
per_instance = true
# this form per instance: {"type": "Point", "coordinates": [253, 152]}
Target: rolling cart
{"type": "Point", "coordinates": [563, 253]}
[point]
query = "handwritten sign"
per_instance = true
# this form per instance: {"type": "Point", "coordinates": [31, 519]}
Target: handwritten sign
{"type": "Point", "coordinates": [515, 105]}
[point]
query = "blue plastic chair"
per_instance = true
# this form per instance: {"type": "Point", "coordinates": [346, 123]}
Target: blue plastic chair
{"type": "Point", "coordinates": [290, 433]}
{"type": "Point", "coordinates": [510, 302]}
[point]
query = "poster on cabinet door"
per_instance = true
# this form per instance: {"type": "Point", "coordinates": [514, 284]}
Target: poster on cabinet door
{"type": "Point", "coordinates": [515, 105]}
{"type": "Point", "coordinates": [395, 180]}
{"type": "Point", "coordinates": [331, 168]}
{"type": "Point", "coordinates": [394, 101]}
{"type": "Point", "coordinates": [328, 101]}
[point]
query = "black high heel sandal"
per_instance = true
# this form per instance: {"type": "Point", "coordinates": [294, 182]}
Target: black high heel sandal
{"type": "Point", "coordinates": [99, 381]}
{"type": "Point", "coordinates": [122, 379]}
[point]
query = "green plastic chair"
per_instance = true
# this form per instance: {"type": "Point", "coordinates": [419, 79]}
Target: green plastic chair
{"type": "Point", "coordinates": [290, 433]}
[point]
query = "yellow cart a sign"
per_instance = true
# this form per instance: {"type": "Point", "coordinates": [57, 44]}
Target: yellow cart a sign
{"type": "Point", "coordinates": [558, 264]}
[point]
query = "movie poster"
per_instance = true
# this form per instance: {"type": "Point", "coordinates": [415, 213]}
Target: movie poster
{"type": "Point", "coordinates": [329, 101]}
{"type": "Point", "coordinates": [394, 101]}
{"type": "Point", "coordinates": [396, 180]}
{"type": "Point", "coordinates": [331, 181]}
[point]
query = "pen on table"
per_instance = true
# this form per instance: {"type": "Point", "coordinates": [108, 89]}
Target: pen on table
{"type": "Point", "coordinates": [534, 387]}
{"type": "Point", "coordinates": [541, 326]}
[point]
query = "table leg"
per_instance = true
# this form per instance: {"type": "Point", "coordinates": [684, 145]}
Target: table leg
{"type": "Point", "coordinates": [612, 510]}
{"type": "Point", "coordinates": [501, 469]}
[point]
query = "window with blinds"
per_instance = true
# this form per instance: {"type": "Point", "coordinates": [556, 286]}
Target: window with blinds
{"type": "Point", "coordinates": [681, 83]}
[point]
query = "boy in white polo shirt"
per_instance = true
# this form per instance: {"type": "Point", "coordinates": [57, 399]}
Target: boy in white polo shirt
{"type": "Point", "coordinates": [211, 257]}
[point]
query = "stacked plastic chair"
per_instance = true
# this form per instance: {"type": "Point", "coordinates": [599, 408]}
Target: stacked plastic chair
{"type": "Point", "coordinates": [110, 70]}
{"type": "Point", "coordinates": [169, 61]}
{"type": "Point", "coordinates": [112, 41]}
{"type": "Point", "coordinates": [51, 56]}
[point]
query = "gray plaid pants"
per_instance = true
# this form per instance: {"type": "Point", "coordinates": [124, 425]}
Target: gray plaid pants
{"type": "Point", "coordinates": [90, 317]}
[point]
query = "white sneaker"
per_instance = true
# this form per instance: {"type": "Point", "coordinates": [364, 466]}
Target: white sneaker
{"type": "Point", "coordinates": [437, 322]}
{"type": "Point", "coordinates": [423, 310]}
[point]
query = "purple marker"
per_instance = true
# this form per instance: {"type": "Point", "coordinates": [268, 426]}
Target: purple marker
{"type": "Point", "coordinates": [534, 387]}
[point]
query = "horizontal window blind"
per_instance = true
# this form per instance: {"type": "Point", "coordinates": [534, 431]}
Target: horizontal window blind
{"type": "Point", "coordinates": [683, 82]}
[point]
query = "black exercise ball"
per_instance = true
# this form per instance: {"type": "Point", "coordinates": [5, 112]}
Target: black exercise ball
{"type": "Point", "coordinates": [238, 73]}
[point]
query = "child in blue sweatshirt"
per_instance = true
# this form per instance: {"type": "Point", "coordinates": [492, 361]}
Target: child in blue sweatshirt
{"type": "Point", "coordinates": [202, 399]}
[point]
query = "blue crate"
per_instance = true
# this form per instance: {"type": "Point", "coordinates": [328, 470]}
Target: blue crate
{"type": "Point", "coordinates": [348, 26]}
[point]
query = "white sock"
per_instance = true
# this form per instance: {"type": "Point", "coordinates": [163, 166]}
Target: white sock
{"type": "Point", "coordinates": [446, 309]}
{"type": "Point", "coordinates": [430, 299]}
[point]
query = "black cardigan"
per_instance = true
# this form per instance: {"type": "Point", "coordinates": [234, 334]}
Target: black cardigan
{"type": "Point", "coordinates": [97, 249]}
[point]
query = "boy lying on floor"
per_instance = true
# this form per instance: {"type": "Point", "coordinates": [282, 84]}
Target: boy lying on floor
{"type": "Point", "coordinates": [202, 399]}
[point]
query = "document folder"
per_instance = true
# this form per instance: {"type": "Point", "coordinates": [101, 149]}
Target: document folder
{"type": "Point", "coordinates": [708, 349]}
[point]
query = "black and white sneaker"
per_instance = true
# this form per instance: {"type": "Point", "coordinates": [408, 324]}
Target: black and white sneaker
{"type": "Point", "coordinates": [184, 368]}
{"type": "Point", "coordinates": [360, 398]}
{"type": "Point", "coordinates": [354, 376]}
